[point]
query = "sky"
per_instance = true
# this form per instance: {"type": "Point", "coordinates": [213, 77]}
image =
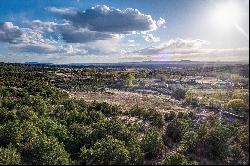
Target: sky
{"type": "Point", "coordinates": [110, 31]}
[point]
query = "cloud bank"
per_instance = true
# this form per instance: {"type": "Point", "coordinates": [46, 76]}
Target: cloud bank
{"type": "Point", "coordinates": [102, 18]}
{"type": "Point", "coordinates": [9, 33]}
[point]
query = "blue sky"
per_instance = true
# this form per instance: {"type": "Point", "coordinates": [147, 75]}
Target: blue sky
{"type": "Point", "coordinates": [74, 31]}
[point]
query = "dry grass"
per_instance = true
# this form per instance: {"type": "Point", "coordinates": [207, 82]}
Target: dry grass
{"type": "Point", "coordinates": [126, 100]}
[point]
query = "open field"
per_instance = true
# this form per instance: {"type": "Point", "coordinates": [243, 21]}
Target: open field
{"type": "Point", "coordinates": [126, 100]}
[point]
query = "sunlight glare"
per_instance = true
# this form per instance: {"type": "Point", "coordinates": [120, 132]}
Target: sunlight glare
{"type": "Point", "coordinates": [226, 15]}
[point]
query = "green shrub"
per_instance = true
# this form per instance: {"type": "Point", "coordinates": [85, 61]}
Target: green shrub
{"type": "Point", "coordinates": [45, 151]}
{"type": "Point", "coordinates": [243, 136]}
{"type": "Point", "coordinates": [113, 127]}
{"type": "Point", "coordinates": [237, 155]}
{"type": "Point", "coordinates": [152, 143]}
{"type": "Point", "coordinates": [107, 151]}
{"type": "Point", "coordinates": [79, 136]}
{"type": "Point", "coordinates": [189, 141]}
{"type": "Point", "coordinates": [155, 118]}
{"type": "Point", "coordinates": [169, 116]}
{"type": "Point", "coordinates": [106, 108]}
{"type": "Point", "coordinates": [176, 129]}
{"type": "Point", "coordinates": [216, 142]}
{"type": "Point", "coordinates": [135, 150]}
{"type": "Point", "coordinates": [51, 127]}
{"type": "Point", "coordinates": [179, 94]}
{"type": "Point", "coordinates": [136, 111]}
{"type": "Point", "coordinates": [175, 158]}
{"type": "Point", "coordinates": [87, 117]}
{"type": "Point", "coordinates": [7, 116]}
{"type": "Point", "coordinates": [9, 156]}
{"type": "Point", "coordinates": [18, 132]}
{"type": "Point", "coordinates": [237, 106]}
{"type": "Point", "coordinates": [190, 100]}
{"type": "Point", "coordinates": [26, 114]}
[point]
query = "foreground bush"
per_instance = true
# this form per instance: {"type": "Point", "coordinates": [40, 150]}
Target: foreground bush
{"type": "Point", "coordinates": [155, 118]}
{"type": "Point", "coordinates": [45, 151]}
{"type": "Point", "coordinates": [9, 156]}
{"type": "Point", "coordinates": [237, 106]}
{"type": "Point", "coordinates": [189, 141]}
{"type": "Point", "coordinates": [175, 158]}
{"type": "Point", "coordinates": [216, 142]}
{"type": "Point", "coordinates": [152, 143]}
{"type": "Point", "coordinates": [179, 93]}
{"type": "Point", "coordinates": [107, 151]}
{"type": "Point", "coordinates": [176, 129]}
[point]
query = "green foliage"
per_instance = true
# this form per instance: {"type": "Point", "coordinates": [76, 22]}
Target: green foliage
{"type": "Point", "coordinates": [237, 105]}
{"type": "Point", "coordinates": [176, 129]}
{"type": "Point", "coordinates": [243, 136]}
{"type": "Point", "coordinates": [45, 151]}
{"type": "Point", "coordinates": [216, 142]}
{"type": "Point", "coordinates": [113, 127]}
{"type": "Point", "coordinates": [87, 117]}
{"type": "Point", "coordinates": [152, 143]}
{"type": "Point", "coordinates": [191, 100]}
{"type": "Point", "coordinates": [136, 111]}
{"type": "Point", "coordinates": [237, 155]}
{"type": "Point", "coordinates": [9, 156]}
{"type": "Point", "coordinates": [179, 93]}
{"type": "Point", "coordinates": [135, 151]}
{"type": "Point", "coordinates": [169, 116]}
{"type": "Point", "coordinates": [107, 151]}
{"type": "Point", "coordinates": [189, 141]}
{"type": "Point", "coordinates": [18, 133]}
{"type": "Point", "coordinates": [129, 77]}
{"type": "Point", "coordinates": [175, 158]}
{"type": "Point", "coordinates": [79, 136]}
{"type": "Point", "coordinates": [39, 124]}
{"type": "Point", "coordinates": [6, 115]}
{"type": "Point", "coordinates": [155, 118]}
{"type": "Point", "coordinates": [26, 114]}
{"type": "Point", "coordinates": [53, 128]}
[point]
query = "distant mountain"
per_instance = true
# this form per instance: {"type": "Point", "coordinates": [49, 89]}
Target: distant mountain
{"type": "Point", "coordinates": [141, 64]}
{"type": "Point", "coordinates": [38, 63]}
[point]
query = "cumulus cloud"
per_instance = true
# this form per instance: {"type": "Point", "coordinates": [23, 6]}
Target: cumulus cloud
{"type": "Point", "coordinates": [161, 22]}
{"type": "Point", "coordinates": [105, 19]}
{"type": "Point", "coordinates": [151, 38]}
{"type": "Point", "coordinates": [72, 34]}
{"type": "Point", "coordinates": [37, 48]}
{"type": "Point", "coordinates": [63, 11]}
{"type": "Point", "coordinates": [43, 26]}
{"type": "Point", "coordinates": [179, 49]}
{"type": "Point", "coordinates": [43, 48]}
{"type": "Point", "coordinates": [9, 33]}
{"type": "Point", "coordinates": [40, 39]}
{"type": "Point", "coordinates": [238, 54]}
{"type": "Point", "coordinates": [176, 45]}
{"type": "Point", "coordinates": [131, 41]}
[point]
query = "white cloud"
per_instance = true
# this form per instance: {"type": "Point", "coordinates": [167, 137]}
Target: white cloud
{"type": "Point", "coordinates": [161, 23]}
{"type": "Point", "coordinates": [9, 33]}
{"type": "Point", "coordinates": [173, 45]}
{"type": "Point", "coordinates": [102, 18]}
{"type": "Point", "coordinates": [43, 26]}
{"type": "Point", "coordinates": [151, 38]}
{"type": "Point", "coordinates": [179, 49]}
{"type": "Point", "coordinates": [71, 34]}
{"type": "Point", "coordinates": [63, 11]}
